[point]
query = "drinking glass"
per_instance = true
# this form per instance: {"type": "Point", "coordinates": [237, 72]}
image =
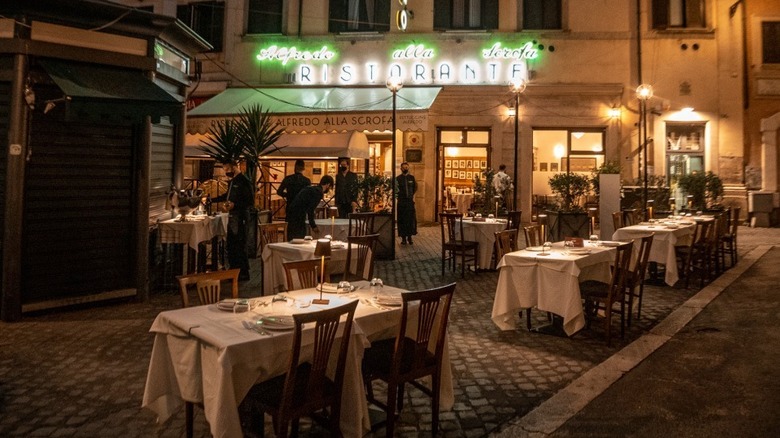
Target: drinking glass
{"type": "Point", "coordinates": [546, 246]}
{"type": "Point", "coordinates": [376, 287]}
{"type": "Point", "coordinates": [594, 239]}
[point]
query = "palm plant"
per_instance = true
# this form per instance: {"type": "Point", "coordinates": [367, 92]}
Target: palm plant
{"type": "Point", "coordinates": [223, 143]}
{"type": "Point", "coordinates": [259, 134]}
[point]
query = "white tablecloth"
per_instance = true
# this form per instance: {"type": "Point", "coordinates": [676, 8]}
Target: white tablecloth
{"type": "Point", "coordinates": [664, 241]}
{"type": "Point", "coordinates": [339, 229]}
{"type": "Point", "coordinates": [275, 254]}
{"type": "Point", "coordinates": [463, 201]}
{"type": "Point", "coordinates": [205, 355]}
{"type": "Point", "coordinates": [484, 233]}
{"type": "Point", "coordinates": [551, 283]}
{"type": "Point", "coordinates": [194, 230]}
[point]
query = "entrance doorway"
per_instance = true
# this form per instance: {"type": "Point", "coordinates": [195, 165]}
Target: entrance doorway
{"type": "Point", "coordinates": [463, 155]}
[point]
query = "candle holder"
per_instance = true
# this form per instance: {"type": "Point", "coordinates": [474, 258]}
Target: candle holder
{"type": "Point", "coordinates": [322, 250]}
{"type": "Point", "coordinates": [542, 218]}
{"type": "Point", "coordinates": [592, 213]}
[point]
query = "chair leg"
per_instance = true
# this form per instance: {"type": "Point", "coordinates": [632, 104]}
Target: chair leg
{"type": "Point", "coordinates": [400, 401]}
{"type": "Point", "coordinates": [608, 324]}
{"type": "Point", "coordinates": [435, 390]}
{"type": "Point", "coordinates": [392, 393]}
{"type": "Point", "coordinates": [188, 418]}
{"type": "Point", "coordinates": [639, 304]}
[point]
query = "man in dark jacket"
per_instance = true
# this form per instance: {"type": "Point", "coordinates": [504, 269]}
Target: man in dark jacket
{"type": "Point", "coordinates": [303, 206]}
{"type": "Point", "coordinates": [407, 220]}
{"type": "Point", "coordinates": [238, 200]}
{"type": "Point", "coordinates": [292, 184]}
{"type": "Point", "coordinates": [346, 189]}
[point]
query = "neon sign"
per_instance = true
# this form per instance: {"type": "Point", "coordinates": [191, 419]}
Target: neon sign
{"type": "Point", "coordinates": [526, 51]}
{"type": "Point", "coordinates": [286, 54]}
{"type": "Point", "coordinates": [402, 17]}
{"type": "Point", "coordinates": [412, 51]}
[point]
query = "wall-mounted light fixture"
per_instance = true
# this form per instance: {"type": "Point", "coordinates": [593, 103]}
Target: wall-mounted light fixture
{"type": "Point", "coordinates": [614, 112]}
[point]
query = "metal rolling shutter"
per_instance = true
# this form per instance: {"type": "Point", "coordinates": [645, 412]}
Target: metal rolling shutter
{"type": "Point", "coordinates": [161, 169]}
{"type": "Point", "coordinates": [5, 92]}
{"type": "Point", "coordinates": [78, 233]}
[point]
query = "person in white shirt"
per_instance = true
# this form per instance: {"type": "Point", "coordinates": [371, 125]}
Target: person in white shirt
{"type": "Point", "coordinates": [502, 183]}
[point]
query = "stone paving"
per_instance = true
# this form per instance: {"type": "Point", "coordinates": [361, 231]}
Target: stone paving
{"type": "Point", "coordinates": [81, 371]}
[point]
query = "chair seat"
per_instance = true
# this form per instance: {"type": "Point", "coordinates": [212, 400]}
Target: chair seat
{"type": "Point", "coordinates": [457, 244]}
{"type": "Point", "coordinates": [269, 393]}
{"type": "Point", "coordinates": [379, 358]}
{"type": "Point", "coordinates": [594, 288]}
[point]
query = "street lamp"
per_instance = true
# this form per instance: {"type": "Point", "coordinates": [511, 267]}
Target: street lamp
{"type": "Point", "coordinates": [394, 83]}
{"type": "Point", "coordinates": [517, 86]}
{"type": "Point", "coordinates": [643, 93]}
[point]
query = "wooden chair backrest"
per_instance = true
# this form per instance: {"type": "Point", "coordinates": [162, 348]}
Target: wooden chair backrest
{"type": "Point", "coordinates": [361, 224]}
{"type": "Point", "coordinates": [191, 280]}
{"type": "Point", "coordinates": [449, 223]}
{"type": "Point", "coordinates": [307, 273]}
{"type": "Point", "coordinates": [620, 272]}
{"type": "Point", "coordinates": [642, 259]}
{"type": "Point", "coordinates": [506, 242]}
{"type": "Point", "coordinates": [533, 235]}
{"type": "Point", "coordinates": [273, 232]}
{"type": "Point", "coordinates": [208, 291]}
{"type": "Point", "coordinates": [617, 219]}
{"type": "Point", "coordinates": [363, 258]}
{"type": "Point", "coordinates": [513, 220]}
{"type": "Point", "coordinates": [734, 223]}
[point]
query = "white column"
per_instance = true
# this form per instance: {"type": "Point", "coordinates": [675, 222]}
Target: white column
{"type": "Point", "coordinates": [769, 128]}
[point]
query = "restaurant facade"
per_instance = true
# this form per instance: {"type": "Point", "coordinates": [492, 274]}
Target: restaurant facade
{"type": "Point", "coordinates": [322, 67]}
{"type": "Point", "coordinates": [91, 110]}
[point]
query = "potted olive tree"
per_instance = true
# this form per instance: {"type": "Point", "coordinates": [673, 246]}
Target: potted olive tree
{"type": "Point", "coordinates": [706, 190]}
{"type": "Point", "coordinates": [375, 194]}
{"type": "Point", "coordinates": [570, 219]}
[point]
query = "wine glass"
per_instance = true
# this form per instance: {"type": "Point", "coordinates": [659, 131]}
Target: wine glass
{"type": "Point", "coordinates": [594, 239]}
{"type": "Point", "coordinates": [376, 285]}
{"type": "Point", "coordinates": [546, 246]}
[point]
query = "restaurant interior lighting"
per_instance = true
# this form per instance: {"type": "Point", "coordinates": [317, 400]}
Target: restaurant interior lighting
{"type": "Point", "coordinates": [614, 112]}
{"type": "Point", "coordinates": [687, 109]}
{"type": "Point", "coordinates": [643, 93]}
{"type": "Point", "coordinates": [559, 151]}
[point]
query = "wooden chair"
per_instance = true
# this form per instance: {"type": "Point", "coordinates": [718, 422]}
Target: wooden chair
{"type": "Point", "coordinates": [192, 280]}
{"type": "Point", "coordinates": [631, 217]}
{"type": "Point", "coordinates": [695, 256]}
{"type": "Point", "coordinates": [635, 281]}
{"type": "Point", "coordinates": [306, 387]}
{"type": "Point", "coordinates": [533, 235]}
{"type": "Point", "coordinates": [603, 296]}
{"type": "Point", "coordinates": [416, 352]}
{"type": "Point", "coordinates": [729, 241]}
{"type": "Point", "coordinates": [208, 291]}
{"type": "Point", "coordinates": [451, 210]}
{"type": "Point", "coordinates": [454, 246]}
{"type": "Point", "coordinates": [308, 273]}
{"type": "Point", "coordinates": [617, 220]}
{"type": "Point", "coordinates": [513, 220]}
{"type": "Point", "coordinates": [363, 259]}
{"type": "Point", "coordinates": [273, 232]}
{"type": "Point", "coordinates": [717, 251]}
{"type": "Point", "coordinates": [361, 224]}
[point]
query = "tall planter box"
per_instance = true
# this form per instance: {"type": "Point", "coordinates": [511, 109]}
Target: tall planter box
{"type": "Point", "coordinates": [609, 202]}
{"type": "Point", "coordinates": [567, 224]}
{"type": "Point", "coordinates": [385, 246]}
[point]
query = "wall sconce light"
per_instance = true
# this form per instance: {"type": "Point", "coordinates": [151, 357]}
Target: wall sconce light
{"type": "Point", "coordinates": [559, 151]}
{"type": "Point", "coordinates": [511, 112]}
{"type": "Point", "coordinates": [614, 112]}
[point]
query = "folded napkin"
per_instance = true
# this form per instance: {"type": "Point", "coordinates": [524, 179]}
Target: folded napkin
{"type": "Point", "coordinates": [276, 322]}
{"type": "Point", "coordinates": [389, 300]}
{"type": "Point", "coordinates": [232, 304]}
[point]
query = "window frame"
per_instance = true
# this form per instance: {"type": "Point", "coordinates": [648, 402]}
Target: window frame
{"type": "Point", "coordinates": [661, 12]}
{"type": "Point", "coordinates": [763, 38]}
{"type": "Point", "coordinates": [444, 15]}
{"type": "Point", "coordinates": [193, 9]}
{"type": "Point", "coordinates": [340, 8]}
{"type": "Point", "coordinates": [258, 28]}
{"type": "Point", "coordinates": [522, 18]}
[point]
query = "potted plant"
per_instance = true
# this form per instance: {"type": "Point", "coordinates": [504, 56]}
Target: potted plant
{"type": "Point", "coordinates": [486, 196]}
{"type": "Point", "coordinates": [570, 219]}
{"type": "Point", "coordinates": [706, 189]}
{"type": "Point", "coordinates": [375, 195]}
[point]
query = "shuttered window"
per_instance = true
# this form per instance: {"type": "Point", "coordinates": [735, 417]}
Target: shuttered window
{"type": "Point", "coordinates": [542, 14]}
{"type": "Point", "coordinates": [465, 14]}
{"type": "Point", "coordinates": [679, 14]}
{"type": "Point", "coordinates": [359, 16]}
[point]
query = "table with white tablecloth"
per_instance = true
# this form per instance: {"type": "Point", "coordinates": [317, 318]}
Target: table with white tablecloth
{"type": "Point", "coordinates": [483, 232]}
{"type": "Point", "coordinates": [192, 232]}
{"type": "Point", "coordinates": [205, 355]}
{"type": "Point", "coordinates": [550, 282]}
{"type": "Point", "coordinates": [463, 201]}
{"type": "Point", "coordinates": [337, 228]}
{"type": "Point", "coordinates": [668, 234]}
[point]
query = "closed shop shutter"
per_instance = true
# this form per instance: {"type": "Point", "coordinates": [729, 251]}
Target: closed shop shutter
{"type": "Point", "coordinates": [162, 169]}
{"type": "Point", "coordinates": [78, 236]}
{"type": "Point", "coordinates": [5, 93]}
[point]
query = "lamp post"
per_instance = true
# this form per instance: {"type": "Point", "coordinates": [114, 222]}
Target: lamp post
{"type": "Point", "coordinates": [643, 93]}
{"type": "Point", "coordinates": [394, 84]}
{"type": "Point", "coordinates": [517, 86]}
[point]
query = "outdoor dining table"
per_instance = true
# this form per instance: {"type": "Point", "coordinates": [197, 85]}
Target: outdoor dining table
{"type": "Point", "coordinates": [275, 254]}
{"type": "Point", "coordinates": [528, 278]}
{"type": "Point", "coordinates": [206, 355]}
{"type": "Point", "coordinates": [668, 234]}
{"type": "Point", "coordinates": [337, 228]}
{"type": "Point", "coordinates": [463, 201]}
{"type": "Point", "coordinates": [193, 231]}
{"type": "Point", "coordinates": [484, 233]}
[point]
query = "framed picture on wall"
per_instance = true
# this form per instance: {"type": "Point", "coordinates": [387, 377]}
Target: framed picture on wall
{"type": "Point", "coordinates": [448, 164]}
{"type": "Point", "coordinates": [468, 164]}
{"type": "Point", "coordinates": [469, 175]}
{"type": "Point", "coordinates": [579, 164]}
{"type": "Point", "coordinates": [462, 164]}
{"type": "Point", "coordinates": [448, 173]}
{"type": "Point", "coordinates": [553, 167]}
{"type": "Point", "coordinates": [462, 174]}
{"type": "Point", "coordinates": [542, 167]}
{"type": "Point", "coordinates": [454, 164]}
{"type": "Point", "coordinates": [483, 164]}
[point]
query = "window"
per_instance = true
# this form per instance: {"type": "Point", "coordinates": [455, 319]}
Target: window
{"type": "Point", "coordinates": [770, 38]}
{"type": "Point", "coordinates": [678, 14]}
{"type": "Point", "coordinates": [359, 16]}
{"type": "Point", "coordinates": [465, 14]}
{"type": "Point", "coordinates": [205, 18]}
{"type": "Point", "coordinates": [264, 16]}
{"type": "Point", "coordinates": [542, 14]}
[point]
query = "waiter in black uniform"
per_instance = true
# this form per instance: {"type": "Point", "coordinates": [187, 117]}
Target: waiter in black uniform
{"type": "Point", "coordinates": [304, 205]}
{"type": "Point", "coordinates": [238, 200]}
{"type": "Point", "coordinates": [346, 189]}
{"type": "Point", "coordinates": [407, 219]}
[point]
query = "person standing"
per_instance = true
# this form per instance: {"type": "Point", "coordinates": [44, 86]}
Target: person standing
{"type": "Point", "coordinates": [346, 189]}
{"type": "Point", "coordinates": [407, 216]}
{"type": "Point", "coordinates": [238, 199]}
{"type": "Point", "coordinates": [502, 183]}
{"type": "Point", "coordinates": [303, 206]}
{"type": "Point", "coordinates": [292, 184]}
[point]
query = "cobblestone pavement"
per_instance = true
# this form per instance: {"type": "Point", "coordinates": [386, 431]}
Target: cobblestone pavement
{"type": "Point", "coordinates": [81, 371]}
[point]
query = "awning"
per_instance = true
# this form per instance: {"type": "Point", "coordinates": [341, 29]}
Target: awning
{"type": "Point", "coordinates": [321, 109]}
{"type": "Point", "coordinates": [290, 146]}
{"type": "Point", "coordinates": [98, 92]}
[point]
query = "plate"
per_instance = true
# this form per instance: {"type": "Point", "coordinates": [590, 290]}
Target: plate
{"type": "Point", "coordinates": [337, 246]}
{"type": "Point", "coordinates": [276, 323]}
{"type": "Point", "coordinates": [229, 305]}
{"type": "Point", "coordinates": [534, 248]}
{"type": "Point", "coordinates": [610, 243]}
{"type": "Point", "coordinates": [333, 288]}
{"type": "Point", "coordinates": [579, 250]}
{"type": "Point", "coordinates": [298, 241]}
